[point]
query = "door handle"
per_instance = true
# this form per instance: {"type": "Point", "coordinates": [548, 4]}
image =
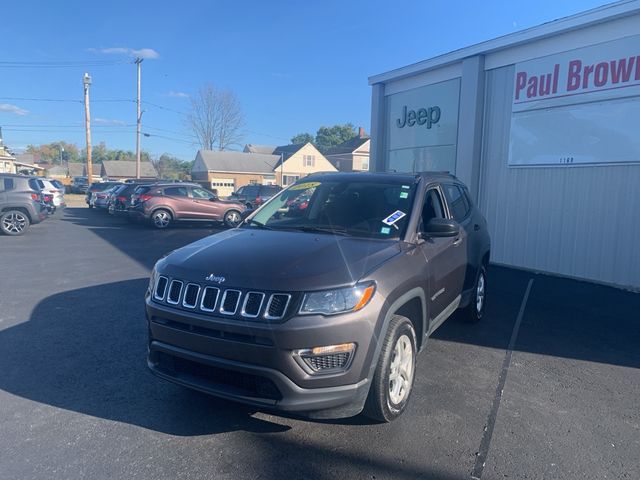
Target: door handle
{"type": "Point", "coordinates": [457, 241]}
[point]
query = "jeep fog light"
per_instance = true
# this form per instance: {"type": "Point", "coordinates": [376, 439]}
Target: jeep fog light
{"type": "Point", "coordinates": [327, 359]}
{"type": "Point", "coordinates": [331, 302]}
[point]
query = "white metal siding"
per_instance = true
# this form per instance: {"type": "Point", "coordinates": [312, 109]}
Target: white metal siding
{"type": "Point", "coordinates": [581, 221]}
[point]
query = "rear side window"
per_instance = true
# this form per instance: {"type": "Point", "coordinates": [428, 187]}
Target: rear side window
{"type": "Point", "coordinates": [176, 192]}
{"type": "Point", "coordinates": [269, 190]}
{"type": "Point", "coordinates": [250, 191]}
{"type": "Point", "coordinates": [458, 202]}
{"type": "Point", "coordinates": [57, 184]}
{"type": "Point", "coordinates": [141, 190]}
{"type": "Point", "coordinates": [7, 184]}
{"type": "Point", "coordinates": [34, 184]}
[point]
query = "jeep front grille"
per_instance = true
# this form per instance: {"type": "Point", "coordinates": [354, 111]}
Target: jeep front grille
{"type": "Point", "coordinates": [230, 302]}
{"type": "Point", "coordinates": [191, 293]}
{"type": "Point", "coordinates": [175, 290]}
{"type": "Point", "coordinates": [161, 288]}
{"type": "Point", "coordinates": [209, 299]}
{"type": "Point", "coordinates": [277, 306]}
{"type": "Point", "coordinates": [252, 304]}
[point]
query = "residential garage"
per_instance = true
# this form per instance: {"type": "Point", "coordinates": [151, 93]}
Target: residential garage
{"type": "Point", "coordinates": [544, 127]}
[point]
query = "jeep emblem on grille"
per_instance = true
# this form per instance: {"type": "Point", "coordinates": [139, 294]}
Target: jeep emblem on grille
{"type": "Point", "coordinates": [212, 277]}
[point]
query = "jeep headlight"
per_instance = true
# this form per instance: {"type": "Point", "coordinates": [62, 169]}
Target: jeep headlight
{"type": "Point", "coordinates": [330, 302]}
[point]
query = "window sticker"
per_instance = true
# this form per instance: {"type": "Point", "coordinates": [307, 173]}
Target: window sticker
{"type": "Point", "coordinates": [385, 230]}
{"type": "Point", "coordinates": [305, 186]}
{"type": "Point", "coordinates": [394, 217]}
{"type": "Point", "coordinates": [404, 194]}
{"type": "Point", "coordinates": [406, 187]}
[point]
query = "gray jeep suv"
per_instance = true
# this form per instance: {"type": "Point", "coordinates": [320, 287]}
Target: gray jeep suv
{"type": "Point", "coordinates": [321, 312]}
{"type": "Point", "coordinates": [21, 203]}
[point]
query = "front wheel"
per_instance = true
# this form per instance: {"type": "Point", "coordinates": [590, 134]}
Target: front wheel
{"type": "Point", "coordinates": [14, 222]}
{"type": "Point", "coordinates": [161, 219]}
{"type": "Point", "coordinates": [393, 378]}
{"type": "Point", "coordinates": [232, 218]}
{"type": "Point", "coordinates": [475, 310]}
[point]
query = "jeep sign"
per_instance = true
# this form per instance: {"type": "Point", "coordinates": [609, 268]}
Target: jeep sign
{"type": "Point", "coordinates": [424, 116]}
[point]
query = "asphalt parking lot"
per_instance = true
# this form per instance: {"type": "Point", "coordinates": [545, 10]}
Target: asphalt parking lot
{"type": "Point", "coordinates": [547, 386]}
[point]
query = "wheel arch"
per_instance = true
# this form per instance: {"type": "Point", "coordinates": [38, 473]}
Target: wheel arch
{"type": "Point", "coordinates": [412, 305]}
{"type": "Point", "coordinates": [19, 209]}
{"type": "Point", "coordinates": [163, 207]}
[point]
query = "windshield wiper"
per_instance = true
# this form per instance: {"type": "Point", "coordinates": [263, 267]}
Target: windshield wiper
{"type": "Point", "coordinates": [333, 230]}
{"type": "Point", "coordinates": [257, 224]}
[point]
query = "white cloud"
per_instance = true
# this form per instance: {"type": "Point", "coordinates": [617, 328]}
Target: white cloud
{"type": "Point", "coordinates": [148, 53]}
{"type": "Point", "coordinates": [108, 121]}
{"type": "Point", "coordinates": [173, 93]}
{"type": "Point", "coordinates": [7, 107]}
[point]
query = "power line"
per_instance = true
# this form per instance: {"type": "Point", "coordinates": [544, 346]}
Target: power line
{"type": "Point", "coordinates": [64, 64]}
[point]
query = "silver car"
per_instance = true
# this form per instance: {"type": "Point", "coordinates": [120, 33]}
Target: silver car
{"type": "Point", "coordinates": [54, 188]}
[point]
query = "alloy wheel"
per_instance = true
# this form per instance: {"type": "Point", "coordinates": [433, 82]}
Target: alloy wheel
{"type": "Point", "coordinates": [14, 222]}
{"type": "Point", "coordinates": [480, 292]}
{"type": "Point", "coordinates": [401, 370]}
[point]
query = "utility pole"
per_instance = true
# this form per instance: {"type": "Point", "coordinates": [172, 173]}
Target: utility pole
{"type": "Point", "coordinates": [281, 170]}
{"type": "Point", "coordinates": [86, 81]}
{"type": "Point", "coordinates": [139, 121]}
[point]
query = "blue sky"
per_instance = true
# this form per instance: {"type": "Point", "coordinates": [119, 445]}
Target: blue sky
{"type": "Point", "coordinates": [295, 65]}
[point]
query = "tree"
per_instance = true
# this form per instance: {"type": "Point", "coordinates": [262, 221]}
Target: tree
{"type": "Point", "coordinates": [302, 138]}
{"type": "Point", "coordinates": [172, 168]}
{"type": "Point", "coordinates": [328, 137]}
{"type": "Point", "coordinates": [216, 118]}
{"type": "Point", "coordinates": [51, 152]}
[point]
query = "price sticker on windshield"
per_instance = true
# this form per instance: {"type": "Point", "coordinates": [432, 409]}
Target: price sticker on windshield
{"type": "Point", "coordinates": [305, 186]}
{"type": "Point", "coordinates": [393, 218]}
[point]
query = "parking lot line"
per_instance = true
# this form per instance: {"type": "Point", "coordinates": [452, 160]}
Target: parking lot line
{"type": "Point", "coordinates": [483, 451]}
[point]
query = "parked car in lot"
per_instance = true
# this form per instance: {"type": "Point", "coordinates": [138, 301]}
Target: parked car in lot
{"type": "Point", "coordinates": [321, 313]}
{"type": "Point", "coordinates": [80, 185]}
{"type": "Point", "coordinates": [123, 198]}
{"type": "Point", "coordinates": [102, 199]}
{"type": "Point", "coordinates": [165, 203]}
{"type": "Point", "coordinates": [21, 203]}
{"type": "Point", "coordinates": [95, 188]}
{"type": "Point", "coordinates": [254, 195]}
{"type": "Point", "coordinates": [54, 189]}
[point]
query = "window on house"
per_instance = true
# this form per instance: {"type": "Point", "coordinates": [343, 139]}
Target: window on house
{"type": "Point", "coordinates": [364, 165]}
{"type": "Point", "coordinates": [289, 179]}
{"type": "Point", "coordinates": [309, 160]}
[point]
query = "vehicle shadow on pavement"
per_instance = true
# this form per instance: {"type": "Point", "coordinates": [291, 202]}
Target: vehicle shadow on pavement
{"type": "Point", "coordinates": [563, 318]}
{"type": "Point", "coordinates": [81, 353]}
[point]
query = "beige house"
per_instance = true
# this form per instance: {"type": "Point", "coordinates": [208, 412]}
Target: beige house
{"type": "Point", "coordinates": [226, 171]}
{"type": "Point", "coordinates": [7, 160]}
{"type": "Point", "coordinates": [352, 155]}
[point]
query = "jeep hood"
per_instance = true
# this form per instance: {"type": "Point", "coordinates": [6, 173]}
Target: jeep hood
{"type": "Point", "coordinates": [278, 260]}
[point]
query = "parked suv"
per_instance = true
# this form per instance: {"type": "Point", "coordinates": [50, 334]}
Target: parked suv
{"type": "Point", "coordinates": [165, 203]}
{"type": "Point", "coordinates": [95, 188]}
{"type": "Point", "coordinates": [21, 203]}
{"type": "Point", "coordinates": [254, 195]}
{"type": "Point", "coordinates": [323, 312]}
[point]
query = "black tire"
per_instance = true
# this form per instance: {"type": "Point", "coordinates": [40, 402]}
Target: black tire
{"type": "Point", "coordinates": [161, 218]}
{"type": "Point", "coordinates": [381, 404]}
{"type": "Point", "coordinates": [14, 222]}
{"type": "Point", "coordinates": [475, 310]}
{"type": "Point", "coordinates": [232, 218]}
{"type": "Point", "coordinates": [90, 206]}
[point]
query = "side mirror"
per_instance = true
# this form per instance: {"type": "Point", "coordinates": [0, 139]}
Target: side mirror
{"type": "Point", "coordinates": [441, 227]}
{"type": "Point", "coordinates": [213, 199]}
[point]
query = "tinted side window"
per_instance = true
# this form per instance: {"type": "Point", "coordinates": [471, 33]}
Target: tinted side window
{"type": "Point", "coordinates": [250, 191]}
{"type": "Point", "coordinates": [458, 203]}
{"type": "Point", "coordinates": [269, 190]}
{"type": "Point", "coordinates": [8, 184]}
{"type": "Point", "coordinates": [33, 184]}
{"type": "Point", "coordinates": [176, 192]}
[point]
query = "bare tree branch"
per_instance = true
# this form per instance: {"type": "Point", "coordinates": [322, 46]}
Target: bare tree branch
{"type": "Point", "coordinates": [216, 118]}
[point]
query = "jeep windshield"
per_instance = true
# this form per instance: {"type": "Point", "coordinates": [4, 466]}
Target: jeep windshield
{"type": "Point", "coordinates": [355, 207]}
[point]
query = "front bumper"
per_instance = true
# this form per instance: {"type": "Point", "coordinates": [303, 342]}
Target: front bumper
{"type": "Point", "coordinates": [252, 362]}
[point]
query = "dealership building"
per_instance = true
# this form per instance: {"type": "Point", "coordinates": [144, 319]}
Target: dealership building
{"type": "Point", "coordinates": [543, 125]}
